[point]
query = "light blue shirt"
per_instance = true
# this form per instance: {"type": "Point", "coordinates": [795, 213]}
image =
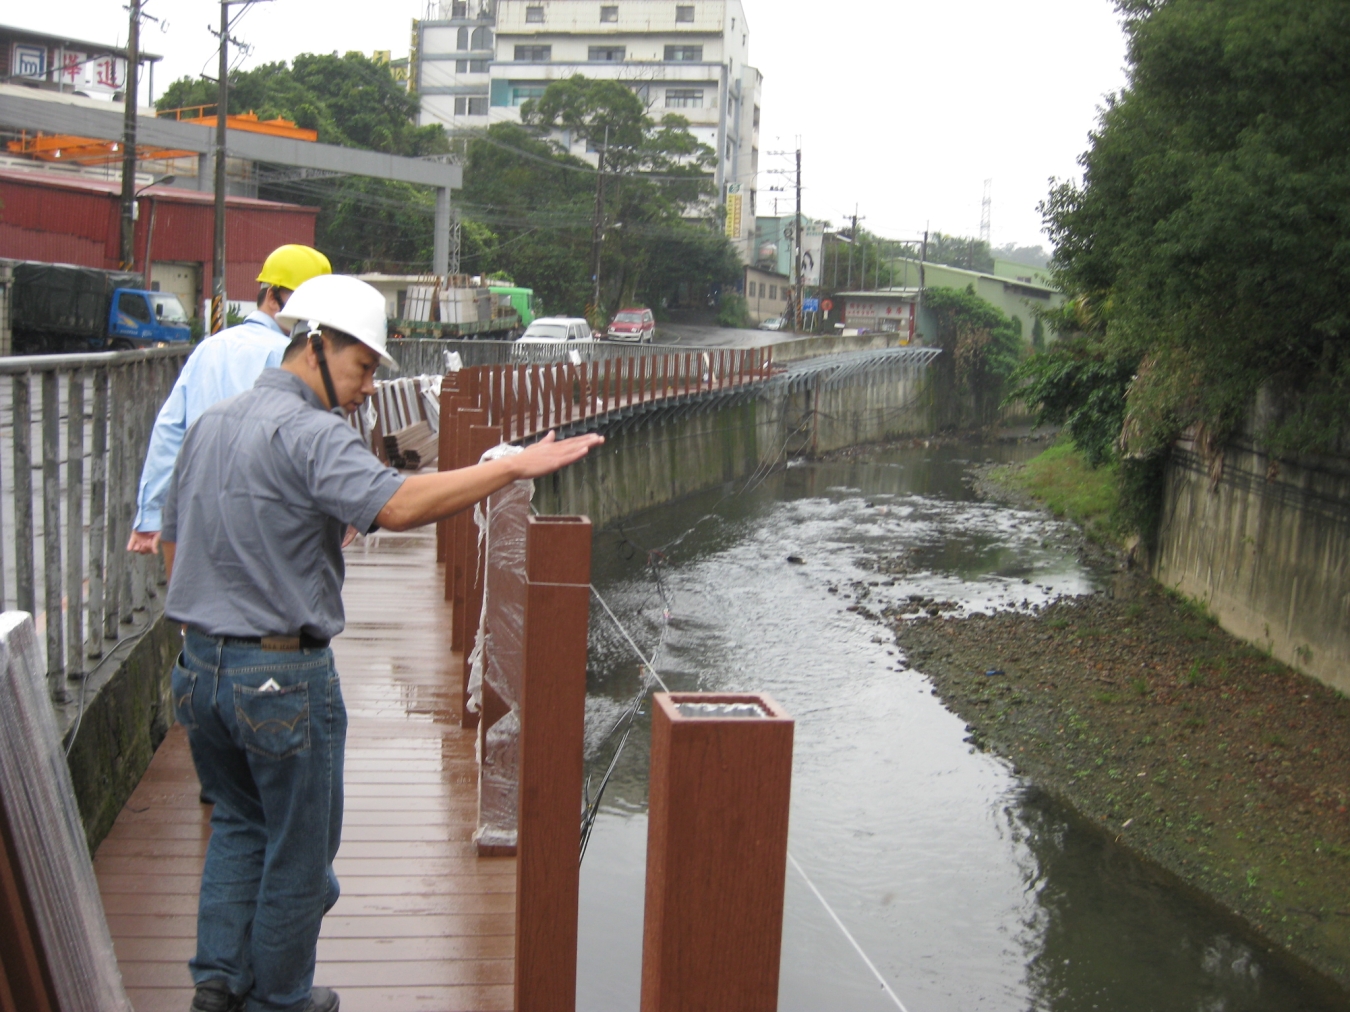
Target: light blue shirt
{"type": "Point", "coordinates": [224, 365]}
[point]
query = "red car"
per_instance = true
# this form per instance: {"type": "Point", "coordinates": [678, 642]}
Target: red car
{"type": "Point", "coordinates": [632, 325]}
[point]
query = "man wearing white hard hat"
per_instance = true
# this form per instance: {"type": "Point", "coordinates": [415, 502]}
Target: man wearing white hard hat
{"type": "Point", "coordinates": [263, 491]}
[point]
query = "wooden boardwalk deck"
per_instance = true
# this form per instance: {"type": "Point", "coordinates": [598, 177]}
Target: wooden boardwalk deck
{"type": "Point", "coordinates": [424, 924]}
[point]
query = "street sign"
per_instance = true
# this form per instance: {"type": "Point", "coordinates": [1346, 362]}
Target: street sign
{"type": "Point", "coordinates": [810, 305]}
{"type": "Point", "coordinates": [827, 305]}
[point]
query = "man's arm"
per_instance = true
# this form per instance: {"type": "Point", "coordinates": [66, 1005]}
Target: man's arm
{"type": "Point", "coordinates": [426, 498]}
{"type": "Point", "coordinates": [166, 439]}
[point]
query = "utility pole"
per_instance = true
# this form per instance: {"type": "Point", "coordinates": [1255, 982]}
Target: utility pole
{"type": "Point", "coordinates": [128, 253]}
{"type": "Point", "coordinates": [222, 106]}
{"type": "Point", "coordinates": [598, 237]}
{"type": "Point", "coordinates": [798, 238]}
{"type": "Point", "coordinates": [456, 238]}
{"type": "Point", "coordinates": [923, 255]}
{"type": "Point", "coordinates": [852, 241]}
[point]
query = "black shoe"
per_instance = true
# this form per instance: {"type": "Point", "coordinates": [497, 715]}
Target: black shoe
{"type": "Point", "coordinates": [215, 996]}
{"type": "Point", "coordinates": [323, 999]}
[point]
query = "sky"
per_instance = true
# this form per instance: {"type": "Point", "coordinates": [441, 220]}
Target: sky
{"type": "Point", "coordinates": [901, 108]}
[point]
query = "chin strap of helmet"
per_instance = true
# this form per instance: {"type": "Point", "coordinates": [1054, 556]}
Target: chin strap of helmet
{"type": "Point", "coordinates": [316, 342]}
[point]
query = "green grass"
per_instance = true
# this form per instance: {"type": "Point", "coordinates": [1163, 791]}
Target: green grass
{"type": "Point", "coordinates": [1061, 479]}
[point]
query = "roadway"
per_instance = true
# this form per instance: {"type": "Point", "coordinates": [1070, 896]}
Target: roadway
{"type": "Point", "coordinates": [691, 335]}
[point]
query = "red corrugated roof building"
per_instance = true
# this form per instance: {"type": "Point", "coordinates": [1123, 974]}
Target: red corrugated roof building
{"type": "Point", "coordinates": [75, 220]}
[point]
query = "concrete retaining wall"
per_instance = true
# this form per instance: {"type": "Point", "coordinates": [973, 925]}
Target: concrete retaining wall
{"type": "Point", "coordinates": [127, 713]}
{"type": "Point", "coordinates": [1265, 543]}
{"type": "Point", "coordinates": [659, 458]}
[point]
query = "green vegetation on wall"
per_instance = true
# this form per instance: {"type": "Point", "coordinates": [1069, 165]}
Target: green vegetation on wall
{"type": "Point", "coordinates": [981, 348]}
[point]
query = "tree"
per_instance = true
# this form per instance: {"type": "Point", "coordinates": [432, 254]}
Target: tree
{"type": "Point", "coordinates": [981, 347]}
{"type": "Point", "coordinates": [352, 101]}
{"type": "Point", "coordinates": [655, 174]}
{"type": "Point", "coordinates": [1208, 239]}
{"type": "Point", "coordinates": [960, 251]}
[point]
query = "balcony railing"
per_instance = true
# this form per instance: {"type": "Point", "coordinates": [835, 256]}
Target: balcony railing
{"type": "Point", "coordinates": [73, 435]}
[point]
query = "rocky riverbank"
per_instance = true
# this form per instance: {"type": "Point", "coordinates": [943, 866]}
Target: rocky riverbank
{"type": "Point", "coordinates": [1227, 768]}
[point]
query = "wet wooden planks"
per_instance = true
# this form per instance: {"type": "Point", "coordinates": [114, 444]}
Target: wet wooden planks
{"type": "Point", "coordinates": [424, 924]}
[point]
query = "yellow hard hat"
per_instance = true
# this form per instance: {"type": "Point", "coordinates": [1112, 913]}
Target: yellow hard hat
{"type": "Point", "coordinates": [292, 265]}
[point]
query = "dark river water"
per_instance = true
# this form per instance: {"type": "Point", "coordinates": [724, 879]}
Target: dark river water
{"type": "Point", "coordinates": [965, 886]}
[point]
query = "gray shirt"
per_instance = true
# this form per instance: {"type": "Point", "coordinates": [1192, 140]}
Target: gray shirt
{"type": "Point", "coordinates": [260, 498]}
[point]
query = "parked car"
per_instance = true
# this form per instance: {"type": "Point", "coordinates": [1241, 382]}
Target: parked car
{"type": "Point", "coordinates": [557, 329]}
{"type": "Point", "coordinates": [773, 323]}
{"type": "Point", "coordinates": [632, 325]}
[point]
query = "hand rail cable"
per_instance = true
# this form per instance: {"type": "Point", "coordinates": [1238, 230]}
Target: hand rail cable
{"type": "Point", "coordinates": [847, 934]}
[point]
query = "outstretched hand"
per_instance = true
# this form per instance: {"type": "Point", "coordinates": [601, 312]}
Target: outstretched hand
{"type": "Point", "coordinates": [551, 453]}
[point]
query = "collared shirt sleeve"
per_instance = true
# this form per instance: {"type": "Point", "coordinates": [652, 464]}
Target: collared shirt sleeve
{"type": "Point", "coordinates": [168, 530]}
{"type": "Point", "coordinates": [166, 438]}
{"type": "Point", "coordinates": [347, 481]}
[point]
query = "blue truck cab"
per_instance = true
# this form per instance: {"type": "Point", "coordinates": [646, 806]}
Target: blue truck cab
{"type": "Point", "coordinates": [141, 319]}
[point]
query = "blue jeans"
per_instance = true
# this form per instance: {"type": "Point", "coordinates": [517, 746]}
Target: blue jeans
{"type": "Point", "coordinates": [267, 731]}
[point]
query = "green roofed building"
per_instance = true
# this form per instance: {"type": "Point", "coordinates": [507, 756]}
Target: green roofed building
{"type": "Point", "coordinates": [1017, 289]}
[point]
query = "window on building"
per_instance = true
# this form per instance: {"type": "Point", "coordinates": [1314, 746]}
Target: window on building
{"type": "Point", "coordinates": [459, 8]}
{"type": "Point", "coordinates": [756, 117]}
{"type": "Point", "coordinates": [684, 14]}
{"type": "Point", "coordinates": [534, 15]}
{"type": "Point", "coordinates": [609, 14]}
{"type": "Point", "coordinates": [471, 105]}
{"type": "Point", "coordinates": [471, 66]}
{"type": "Point", "coordinates": [534, 54]}
{"type": "Point", "coordinates": [606, 54]}
{"type": "Point", "coordinates": [761, 289]}
{"type": "Point", "coordinates": [644, 93]}
{"type": "Point", "coordinates": [684, 98]}
{"type": "Point", "coordinates": [684, 54]}
{"type": "Point", "coordinates": [482, 38]}
{"type": "Point", "coordinates": [773, 291]}
{"type": "Point", "coordinates": [729, 149]}
{"type": "Point", "coordinates": [462, 39]}
{"type": "Point", "coordinates": [521, 92]}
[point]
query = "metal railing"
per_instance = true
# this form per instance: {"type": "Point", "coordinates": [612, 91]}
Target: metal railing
{"type": "Point", "coordinates": [427, 356]}
{"type": "Point", "coordinates": [73, 435]}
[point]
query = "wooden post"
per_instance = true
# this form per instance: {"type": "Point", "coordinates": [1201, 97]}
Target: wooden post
{"type": "Point", "coordinates": [720, 783]}
{"type": "Point", "coordinates": [451, 403]}
{"type": "Point", "coordinates": [552, 724]}
{"type": "Point", "coordinates": [461, 528]}
{"type": "Point", "coordinates": [25, 979]}
{"type": "Point", "coordinates": [534, 401]}
{"type": "Point", "coordinates": [519, 432]}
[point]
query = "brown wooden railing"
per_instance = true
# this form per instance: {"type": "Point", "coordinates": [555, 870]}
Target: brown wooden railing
{"type": "Point", "coordinates": [525, 401]}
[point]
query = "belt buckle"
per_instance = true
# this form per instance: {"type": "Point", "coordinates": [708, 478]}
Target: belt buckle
{"type": "Point", "coordinates": [281, 644]}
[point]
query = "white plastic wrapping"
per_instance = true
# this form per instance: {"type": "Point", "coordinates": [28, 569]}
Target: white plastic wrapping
{"type": "Point", "coordinates": [498, 657]}
{"type": "Point", "coordinates": [39, 801]}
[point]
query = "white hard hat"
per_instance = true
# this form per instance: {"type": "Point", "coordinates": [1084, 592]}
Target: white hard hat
{"type": "Point", "coordinates": [343, 303]}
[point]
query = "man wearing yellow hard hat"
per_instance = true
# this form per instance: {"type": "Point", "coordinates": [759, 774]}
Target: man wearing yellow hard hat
{"type": "Point", "coordinates": [223, 365]}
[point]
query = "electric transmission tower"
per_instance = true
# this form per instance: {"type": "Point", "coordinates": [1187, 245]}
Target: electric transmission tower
{"type": "Point", "coordinates": [985, 206]}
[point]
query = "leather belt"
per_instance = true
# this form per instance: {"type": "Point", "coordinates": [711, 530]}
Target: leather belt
{"type": "Point", "coordinates": [279, 644]}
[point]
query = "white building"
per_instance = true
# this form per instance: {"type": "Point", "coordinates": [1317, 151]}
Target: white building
{"type": "Point", "coordinates": [479, 65]}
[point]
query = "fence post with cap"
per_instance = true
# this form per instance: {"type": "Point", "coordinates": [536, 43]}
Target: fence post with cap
{"type": "Point", "coordinates": [717, 826]}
